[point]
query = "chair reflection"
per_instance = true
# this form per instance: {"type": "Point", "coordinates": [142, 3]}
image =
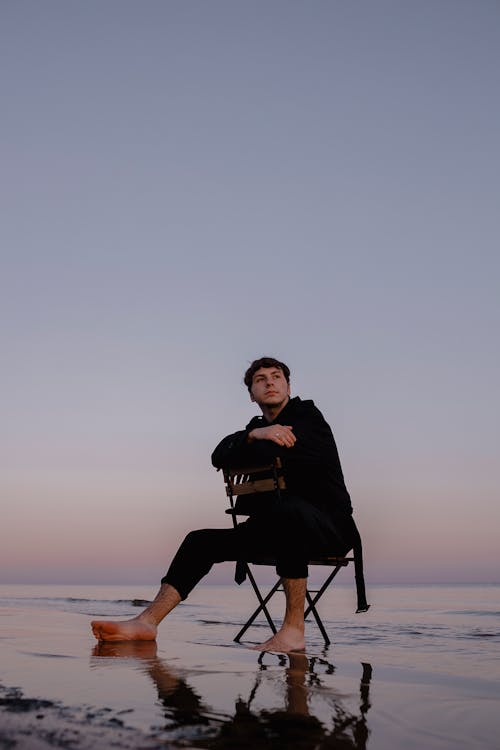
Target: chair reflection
{"type": "Point", "coordinates": [249, 727]}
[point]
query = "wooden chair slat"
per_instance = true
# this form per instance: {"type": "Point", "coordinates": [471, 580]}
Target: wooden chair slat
{"type": "Point", "coordinates": [257, 485]}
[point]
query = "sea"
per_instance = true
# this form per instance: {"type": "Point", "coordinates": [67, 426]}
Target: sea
{"type": "Point", "coordinates": [420, 669]}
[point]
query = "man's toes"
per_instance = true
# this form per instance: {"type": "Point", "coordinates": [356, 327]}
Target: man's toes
{"type": "Point", "coordinates": [97, 630]}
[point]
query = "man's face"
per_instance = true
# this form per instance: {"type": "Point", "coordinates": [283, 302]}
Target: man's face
{"type": "Point", "coordinates": [269, 387]}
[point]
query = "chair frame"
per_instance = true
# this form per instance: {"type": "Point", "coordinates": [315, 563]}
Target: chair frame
{"type": "Point", "coordinates": [242, 481]}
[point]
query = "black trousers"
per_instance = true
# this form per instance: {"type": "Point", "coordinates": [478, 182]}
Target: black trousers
{"type": "Point", "coordinates": [291, 532]}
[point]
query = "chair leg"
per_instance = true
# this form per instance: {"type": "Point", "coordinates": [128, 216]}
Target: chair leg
{"type": "Point", "coordinates": [319, 623]}
{"type": "Point", "coordinates": [310, 609]}
{"type": "Point", "coordinates": [322, 590]}
{"type": "Point", "coordinates": [312, 601]}
{"type": "Point", "coordinates": [262, 606]}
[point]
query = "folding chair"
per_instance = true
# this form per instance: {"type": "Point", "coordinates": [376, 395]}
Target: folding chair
{"type": "Point", "coordinates": [244, 485]}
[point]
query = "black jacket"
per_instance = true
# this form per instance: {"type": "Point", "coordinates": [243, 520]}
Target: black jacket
{"type": "Point", "coordinates": [312, 467]}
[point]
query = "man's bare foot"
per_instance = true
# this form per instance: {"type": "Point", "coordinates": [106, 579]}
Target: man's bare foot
{"type": "Point", "coordinates": [286, 639]}
{"type": "Point", "coordinates": [136, 629]}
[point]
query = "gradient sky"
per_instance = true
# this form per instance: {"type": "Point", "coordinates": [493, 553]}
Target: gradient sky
{"type": "Point", "coordinates": [189, 185]}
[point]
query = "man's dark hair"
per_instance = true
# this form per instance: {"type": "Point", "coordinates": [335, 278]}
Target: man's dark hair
{"type": "Point", "coordinates": [265, 362]}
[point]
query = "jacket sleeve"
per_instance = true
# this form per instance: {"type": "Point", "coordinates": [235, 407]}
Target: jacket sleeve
{"type": "Point", "coordinates": [234, 450]}
{"type": "Point", "coordinates": [231, 450]}
{"type": "Point", "coordinates": [314, 445]}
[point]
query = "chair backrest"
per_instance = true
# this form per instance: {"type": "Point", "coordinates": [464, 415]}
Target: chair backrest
{"type": "Point", "coordinates": [254, 480]}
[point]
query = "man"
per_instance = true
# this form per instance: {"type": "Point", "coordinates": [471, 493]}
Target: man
{"type": "Point", "coordinates": [316, 514]}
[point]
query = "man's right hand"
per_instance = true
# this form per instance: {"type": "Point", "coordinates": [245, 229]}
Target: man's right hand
{"type": "Point", "coordinates": [281, 434]}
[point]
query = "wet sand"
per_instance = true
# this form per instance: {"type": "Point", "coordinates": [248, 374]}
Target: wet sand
{"type": "Point", "coordinates": [195, 688]}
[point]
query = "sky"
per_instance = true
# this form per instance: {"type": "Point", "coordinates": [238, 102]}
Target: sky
{"type": "Point", "coordinates": [187, 186]}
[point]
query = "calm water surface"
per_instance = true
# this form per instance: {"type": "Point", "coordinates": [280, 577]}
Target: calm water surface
{"type": "Point", "coordinates": [420, 670]}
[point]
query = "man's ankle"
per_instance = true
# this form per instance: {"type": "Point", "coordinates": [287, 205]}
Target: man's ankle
{"type": "Point", "coordinates": [297, 626]}
{"type": "Point", "coordinates": [147, 619]}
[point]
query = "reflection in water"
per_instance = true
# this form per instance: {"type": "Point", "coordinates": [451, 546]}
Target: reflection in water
{"type": "Point", "coordinates": [189, 718]}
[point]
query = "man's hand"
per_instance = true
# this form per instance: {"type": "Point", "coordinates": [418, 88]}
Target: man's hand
{"type": "Point", "coordinates": [282, 434]}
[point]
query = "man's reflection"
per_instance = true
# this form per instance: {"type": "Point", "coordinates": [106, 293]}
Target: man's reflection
{"type": "Point", "coordinates": [247, 728]}
{"type": "Point", "coordinates": [183, 706]}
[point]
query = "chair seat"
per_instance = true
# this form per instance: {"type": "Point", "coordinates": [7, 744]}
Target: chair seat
{"type": "Point", "coordinates": [320, 560]}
